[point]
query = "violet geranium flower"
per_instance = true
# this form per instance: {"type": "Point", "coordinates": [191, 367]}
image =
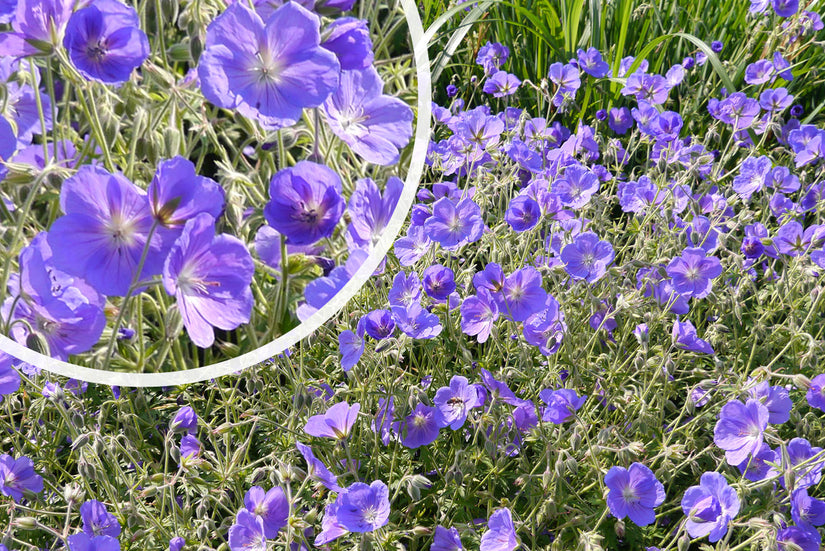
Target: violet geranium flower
{"type": "Point", "coordinates": [18, 476]}
{"type": "Point", "coordinates": [271, 506]}
{"type": "Point", "coordinates": [562, 404]}
{"type": "Point", "coordinates": [268, 70]}
{"type": "Point", "coordinates": [105, 42]}
{"type": "Point", "coordinates": [31, 25]}
{"type": "Point", "coordinates": [177, 193]}
{"type": "Point", "coordinates": [306, 202]}
{"type": "Point", "coordinates": [337, 422]}
{"type": "Point", "coordinates": [740, 428]}
{"type": "Point", "coordinates": [455, 401]}
{"type": "Point", "coordinates": [587, 257]}
{"type": "Point", "coordinates": [710, 507]}
{"type": "Point", "coordinates": [421, 426]}
{"type": "Point", "coordinates": [104, 232]}
{"type": "Point", "coordinates": [634, 493]}
{"type": "Point", "coordinates": [97, 521]}
{"type": "Point", "coordinates": [500, 534]}
{"type": "Point", "coordinates": [210, 278]}
{"type": "Point", "coordinates": [693, 271]}
{"type": "Point", "coordinates": [375, 126]}
{"type": "Point", "coordinates": [363, 508]}
{"type": "Point", "coordinates": [248, 532]}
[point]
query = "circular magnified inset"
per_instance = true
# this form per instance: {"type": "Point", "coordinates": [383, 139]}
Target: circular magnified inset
{"type": "Point", "coordinates": [185, 205]}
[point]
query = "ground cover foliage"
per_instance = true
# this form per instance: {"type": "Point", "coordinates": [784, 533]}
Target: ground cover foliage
{"type": "Point", "coordinates": [602, 327]}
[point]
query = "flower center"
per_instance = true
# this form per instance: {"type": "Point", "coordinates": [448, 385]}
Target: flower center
{"type": "Point", "coordinates": [96, 52]}
{"type": "Point", "coordinates": [628, 495]}
{"type": "Point", "coordinates": [419, 420]}
{"type": "Point", "coordinates": [370, 515]}
{"type": "Point", "coordinates": [122, 231]}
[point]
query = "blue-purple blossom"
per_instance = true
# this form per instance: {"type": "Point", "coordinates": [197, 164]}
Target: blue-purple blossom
{"type": "Point", "coordinates": [370, 211]}
{"type": "Point", "coordinates": [31, 24]}
{"type": "Point", "coordinates": [351, 345]}
{"type": "Point", "coordinates": [417, 322]}
{"type": "Point", "coordinates": [209, 275]}
{"type": "Point", "coordinates": [785, 8]}
{"type": "Point", "coordinates": [247, 534]}
{"type": "Point", "coordinates": [105, 229]}
{"type": "Point", "coordinates": [740, 429]}
{"type": "Point", "coordinates": [797, 538]}
{"type": "Point", "coordinates": [807, 511]}
{"type": "Point", "coordinates": [816, 392]}
{"type": "Point", "coordinates": [379, 324]}
{"type": "Point", "coordinates": [501, 533]}
{"type": "Point", "coordinates": [491, 56]}
{"type": "Point", "coordinates": [759, 72]}
{"type": "Point", "coordinates": [421, 427]}
{"type": "Point", "coordinates": [185, 420]}
{"type": "Point", "coordinates": [104, 41]}
{"type": "Point", "coordinates": [317, 470]}
{"type": "Point", "coordinates": [177, 193]}
{"type": "Point", "coordinates": [446, 540]}
{"type": "Point", "coordinates": [9, 377]}
{"type": "Point", "coordinates": [18, 476]}
{"type": "Point", "coordinates": [522, 294]}
{"type": "Point", "coordinates": [306, 202]}
{"type": "Point", "coordinates": [501, 84]}
{"type": "Point", "coordinates": [562, 404]}
{"type": "Point", "coordinates": [336, 423]}
{"type": "Point", "coordinates": [455, 401]}
{"type": "Point", "coordinates": [634, 493]}
{"type": "Point", "coordinates": [710, 507]}
{"type": "Point", "coordinates": [587, 257]}
{"type": "Point", "coordinates": [592, 63]}
{"type": "Point", "coordinates": [439, 281]}
{"type": "Point", "coordinates": [349, 39]}
{"type": "Point", "coordinates": [454, 224]}
{"type": "Point", "coordinates": [84, 542]}
{"type": "Point", "coordinates": [685, 337]}
{"type": "Point", "coordinates": [753, 176]}
{"type": "Point", "coordinates": [268, 70]}
{"type": "Point", "coordinates": [478, 315]}
{"type": "Point", "coordinates": [384, 420]}
{"type": "Point", "coordinates": [363, 508]}
{"type": "Point", "coordinates": [97, 521]}
{"type": "Point", "coordinates": [567, 80]}
{"type": "Point", "coordinates": [271, 506]}
{"type": "Point", "coordinates": [806, 471]}
{"type": "Point", "coordinates": [375, 126]}
{"type": "Point", "coordinates": [755, 467]}
{"type": "Point", "coordinates": [546, 328]}
{"type": "Point", "coordinates": [576, 186]}
{"type": "Point", "coordinates": [693, 272]}
{"type": "Point", "coordinates": [776, 399]}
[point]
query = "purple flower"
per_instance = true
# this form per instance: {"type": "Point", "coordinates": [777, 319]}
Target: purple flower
{"type": "Point", "coordinates": [807, 511]}
{"type": "Point", "coordinates": [439, 282]}
{"type": "Point", "coordinates": [384, 419]}
{"type": "Point", "coordinates": [335, 423]}
{"type": "Point", "coordinates": [406, 290]}
{"type": "Point", "coordinates": [32, 22]}
{"type": "Point", "coordinates": [373, 125]}
{"type": "Point", "coordinates": [18, 476]}
{"type": "Point", "coordinates": [566, 78]}
{"type": "Point", "coordinates": [247, 534]}
{"type": "Point", "coordinates": [816, 392]}
{"type": "Point", "coordinates": [306, 202]}
{"type": "Point", "coordinates": [523, 213]}
{"type": "Point", "coordinates": [478, 315]}
{"type": "Point", "coordinates": [500, 534]}
{"type": "Point", "coordinates": [792, 240]}
{"type": "Point", "coordinates": [210, 277]}
{"type": "Point", "coordinates": [190, 447]}
{"type": "Point", "coordinates": [351, 346]}
{"type": "Point", "coordinates": [546, 328]}
{"type": "Point", "coordinates": [105, 230]}
{"type": "Point", "coordinates": [85, 542]}
{"type": "Point", "coordinates": [501, 84]}
{"type": "Point", "coordinates": [710, 507]}
{"type": "Point", "coordinates": [620, 120]}
{"type": "Point", "coordinates": [454, 224]}
{"type": "Point", "coordinates": [268, 70]}
{"type": "Point", "coordinates": [562, 404]}
{"type": "Point", "coordinates": [421, 426]}
{"type": "Point", "coordinates": [752, 177]}
{"type": "Point", "coordinates": [652, 89]}
{"type": "Point", "coordinates": [775, 99]}
{"type": "Point", "coordinates": [491, 56]}
{"type": "Point", "coordinates": [271, 506]}
{"type": "Point", "coordinates": [693, 271]}
{"type": "Point", "coordinates": [776, 399]}
{"type": "Point", "coordinates": [177, 543]}
{"type": "Point", "coordinates": [317, 470]}
{"type": "Point", "coordinates": [685, 337]}
{"type": "Point", "coordinates": [178, 194]}
{"type": "Point", "coordinates": [185, 420]}
{"type": "Point", "coordinates": [97, 521]}
{"type": "Point", "coordinates": [105, 42]}
{"type": "Point", "coordinates": [522, 294]}
{"type": "Point", "coordinates": [455, 401]}
{"type": "Point", "coordinates": [416, 322]}
{"type": "Point", "coordinates": [795, 538]}
{"type": "Point", "coordinates": [740, 428]}
{"type": "Point", "coordinates": [379, 324]}
{"type": "Point", "coordinates": [587, 257]}
{"type": "Point", "coordinates": [364, 508]}
{"type": "Point", "coordinates": [759, 72]}
{"type": "Point", "coordinates": [446, 540]}
{"type": "Point", "coordinates": [576, 186]}
{"type": "Point", "coordinates": [785, 8]}
{"type": "Point", "coordinates": [799, 451]}
{"type": "Point", "coordinates": [634, 493]}
{"type": "Point", "coordinates": [591, 62]}
{"type": "Point", "coordinates": [9, 377]}
{"type": "Point", "coordinates": [370, 211]}
{"type": "Point", "coordinates": [413, 247]}
{"type": "Point", "coordinates": [349, 39]}
{"type": "Point", "coordinates": [62, 310]}
{"type": "Point", "coordinates": [755, 467]}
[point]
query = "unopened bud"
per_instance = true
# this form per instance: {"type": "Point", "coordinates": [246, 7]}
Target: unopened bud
{"type": "Point", "coordinates": [26, 523]}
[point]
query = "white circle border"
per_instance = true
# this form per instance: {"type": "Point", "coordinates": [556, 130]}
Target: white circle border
{"type": "Point", "coordinates": [277, 346]}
